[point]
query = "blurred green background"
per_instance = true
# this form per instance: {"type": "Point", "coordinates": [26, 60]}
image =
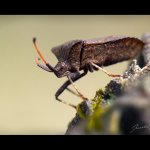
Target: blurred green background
{"type": "Point", "coordinates": [27, 102]}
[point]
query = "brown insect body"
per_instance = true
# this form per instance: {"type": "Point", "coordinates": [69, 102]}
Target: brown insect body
{"type": "Point", "coordinates": [77, 54]}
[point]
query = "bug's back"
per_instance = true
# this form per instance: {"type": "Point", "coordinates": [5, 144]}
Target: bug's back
{"type": "Point", "coordinates": [110, 50]}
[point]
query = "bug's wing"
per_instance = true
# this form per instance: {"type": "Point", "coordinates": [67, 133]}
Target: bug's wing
{"type": "Point", "coordinates": [110, 50]}
{"type": "Point", "coordinates": [104, 39]}
{"type": "Point", "coordinates": [62, 51]}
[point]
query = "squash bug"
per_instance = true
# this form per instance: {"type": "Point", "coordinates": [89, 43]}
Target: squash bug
{"type": "Point", "coordinates": [88, 55]}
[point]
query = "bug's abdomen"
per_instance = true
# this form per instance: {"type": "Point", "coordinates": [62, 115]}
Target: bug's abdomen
{"type": "Point", "coordinates": [104, 54]}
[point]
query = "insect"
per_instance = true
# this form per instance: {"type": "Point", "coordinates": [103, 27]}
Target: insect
{"type": "Point", "coordinates": [88, 56]}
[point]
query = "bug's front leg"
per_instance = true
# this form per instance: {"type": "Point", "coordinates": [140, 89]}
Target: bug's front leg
{"type": "Point", "coordinates": [74, 77]}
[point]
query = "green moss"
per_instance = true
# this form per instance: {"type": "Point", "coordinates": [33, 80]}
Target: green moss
{"type": "Point", "coordinates": [84, 108]}
{"type": "Point", "coordinates": [95, 102]}
{"type": "Point", "coordinates": [94, 121]}
{"type": "Point", "coordinates": [109, 96]}
{"type": "Point", "coordinates": [80, 112]}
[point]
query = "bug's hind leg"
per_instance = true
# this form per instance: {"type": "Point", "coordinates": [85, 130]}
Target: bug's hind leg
{"type": "Point", "coordinates": [105, 71]}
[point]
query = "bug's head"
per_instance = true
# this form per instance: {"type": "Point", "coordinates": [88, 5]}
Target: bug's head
{"type": "Point", "coordinates": [62, 53]}
{"type": "Point", "coordinates": [62, 69]}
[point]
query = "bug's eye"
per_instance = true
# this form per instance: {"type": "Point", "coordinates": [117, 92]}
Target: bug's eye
{"type": "Point", "coordinates": [61, 69]}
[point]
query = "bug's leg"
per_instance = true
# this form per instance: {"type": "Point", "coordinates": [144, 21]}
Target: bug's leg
{"type": "Point", "coordinates": [90, 67]}
{"type": "Point", "coordinates": [74, 77]}
{"type": "Point", "coordinates": [105, 71]}
{"type": "Point", "coordinates": [64, 102]}
{"type": "Point", "coordinates": [80, 94]}
{"type": "Point", "coordinates": [66, 84]}
{"type": "Point", "coordinates": [71, 91]}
